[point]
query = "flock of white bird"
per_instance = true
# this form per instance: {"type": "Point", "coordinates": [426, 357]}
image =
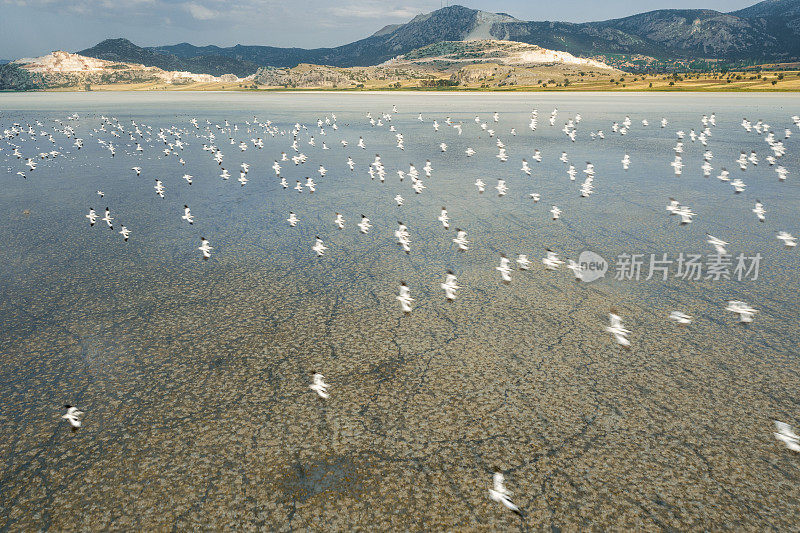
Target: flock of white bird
{"type": "Point", "coordinates": [173, 140]}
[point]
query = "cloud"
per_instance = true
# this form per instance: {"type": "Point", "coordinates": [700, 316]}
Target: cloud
{"type": "Point", "coordinates": [200, 12]}
{"type": "Point", "coordinates": [374, 10]}
{"type": "Point", "coordinates": [82, 7]}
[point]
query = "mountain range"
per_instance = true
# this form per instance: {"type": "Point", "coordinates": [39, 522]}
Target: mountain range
{"type": "Point", "coordinates": [765, 32]}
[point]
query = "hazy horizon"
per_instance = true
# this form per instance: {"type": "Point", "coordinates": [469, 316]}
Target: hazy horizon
{"type": "Point", "coordinates": [74, 26]}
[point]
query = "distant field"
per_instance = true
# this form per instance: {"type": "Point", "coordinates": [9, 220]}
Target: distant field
{"type": "Point", "coordinates": [767, 82]}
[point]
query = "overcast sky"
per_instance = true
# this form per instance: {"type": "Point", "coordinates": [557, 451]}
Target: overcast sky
{"type": "Point", "coordinates": [35, 27]}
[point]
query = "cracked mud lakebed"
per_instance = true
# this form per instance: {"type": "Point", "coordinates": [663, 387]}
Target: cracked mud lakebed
{"type": "Point", "coordinates": [193, 375]}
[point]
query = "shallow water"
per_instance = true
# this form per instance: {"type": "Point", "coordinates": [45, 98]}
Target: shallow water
{"type": "Point", "coordinates": [194, 374]}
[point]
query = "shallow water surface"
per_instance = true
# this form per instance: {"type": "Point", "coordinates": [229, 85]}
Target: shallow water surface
{"type": "Point", "coordinates": [193, 375]}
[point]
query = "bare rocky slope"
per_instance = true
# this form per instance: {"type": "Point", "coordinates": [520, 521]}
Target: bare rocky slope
{"type": "Point", "coordinates": [63, 69]}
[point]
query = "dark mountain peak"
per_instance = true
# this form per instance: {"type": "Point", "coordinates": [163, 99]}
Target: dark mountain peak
{"type": "Point", "coordinates": [123, 50]}
{"type": "Point", "coordinates": [459, 11]}
{"type": "Point", "coordinates": [442, 11]}
{"type": "Point", "coordinates": [118, 49]}
{"type": "Point", "coordinates": [118, 41]}
{"type": "Point", "coordinates": [451, 23]}
{"type": "Point", "coordinates": [111, 45]}
{"type": "Point", "coordinates": [770, 8]}
{"type": "Point", "coordinates": [666, 14]}
{"type": "Point", "coordinates": [454, 9]}
{"type": "Point", "coordinates": [442, 14]}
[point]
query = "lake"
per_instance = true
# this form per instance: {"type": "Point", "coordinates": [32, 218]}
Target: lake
{"type": "Point", "coordinates": [194, 375]}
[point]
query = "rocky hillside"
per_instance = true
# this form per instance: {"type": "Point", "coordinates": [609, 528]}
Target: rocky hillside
{"type": "Point", "coordinates": [306, 76]}
{"type": "Point", "coordinates": [703, 33]}
{"type": "Point", "coordinates": [473, 64]}
{"type": "Point", "coordinates": [62, 69]}
{"type": "Point", "coordinates": [492, 51]}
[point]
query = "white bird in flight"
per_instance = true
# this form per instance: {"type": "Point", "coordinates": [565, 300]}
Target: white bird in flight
{"type": "Point", "coordinates": [744, 311]}
{"type": "Point", "coordinates": [504, 268]}
{"type": "Point", "coordinates": [500, 494]}
{"type": "Point", "coordinates": [681, 318]}
{"type": "Point", "coordinates": [403, 237]}
{"type": "Point", "coordinates": [461, 239]}
{"type": "Point", "coordinates": [449, 286]}
{"type": "Point", "coordinates": [759, 211]}
{"type": "Point", "coordinates": [319, 386]}
{"type": "Point", "coordinates": [187, 215]}
{"type": "Point", "coordinates": [107, 218]}
{"type": "Point", "coordinates": [576, 269]}
{"type": "Point", "coordinates": [738, 185]}
{"type": "Point", "coordinates": [718, 244]}
{"type": "Point", "coordinates": [617, 330]}
{"type": "Point", "coordinates": [364, 225]}
{"type": "Point", "coordinates": [785, 434]}
{"type": "Point", "coordinates": [319, 247]}
{"type": "Point", "coordinates": [444, 219]}
{"type": "Point", "coordinates": [205, 248]}
{"type": "Point", "coordinates": [404, 297]}
{"type": "Point", "coordinates": [788, 239]}
{"type": "Point", "coordinates": [551, 260]}
{"type": "Point", "coordinates": [677, 165]}
{"type": "Point", "coordinates": [685, 213]}
{"type": "Point", "coordinates": [673, 206]}
{"type": "Point", "coordinates": [92, 216]}
{"type": "Point", "coordinates": [73, 416]}
{"type": "Point", "coordinates": [571, 172]}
